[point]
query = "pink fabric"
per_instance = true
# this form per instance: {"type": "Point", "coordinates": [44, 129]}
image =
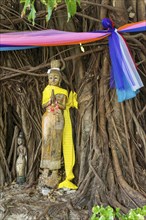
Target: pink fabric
{"type": "Point", "coordinates": [49, 38]}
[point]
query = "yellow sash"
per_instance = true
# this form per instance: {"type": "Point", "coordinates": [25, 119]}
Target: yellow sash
{"type": "Point", "coordinates": [68, 146]}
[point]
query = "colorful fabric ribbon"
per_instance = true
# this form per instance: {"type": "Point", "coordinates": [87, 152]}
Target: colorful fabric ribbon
{"type": "Point", "coordinates": [124, 75]}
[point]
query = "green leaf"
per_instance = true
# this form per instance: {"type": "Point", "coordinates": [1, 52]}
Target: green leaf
{"type": "Point", "coordinates": [50, 6]}
{"type": "Point", "coordinates": [140, 217]}
{"type": "Point", "coordinates": [117, 210]}
{"type": "Point", "coordinates": [48, 16]}
{"type": "Point", "coordinates": [93, 217]}
{"type": "Point", "coordinates": [55, 3]}
{"type": "Point", "coordinates": [143, 211]}
{"type": "Point", "coordinates": [78, 1]}
{"type": "Point", "coordinates": [103, 210]}
{"type": "Point", "coordinates": [44, 2]}
{"type": "Point", "coordinates": [96, 209]}
{"type": "Point", "coordinates": [132, 215]}
{"type": "Point", "coordinates": [51, 3]}
{"type": "Point", "coordinates": [32, 14]}
{"type": "Point", "coordinates": [102, 218]}
{"type": "Point", "coordinates": [26, 5]}
{"type": "Point", "coordinates": [22, 1]}
{"type": "Point", "coordinates": [71, 7]}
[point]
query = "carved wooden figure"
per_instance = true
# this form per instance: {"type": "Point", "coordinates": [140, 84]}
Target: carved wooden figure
{"type": "Point", "coordinates": [57, 131]}
{"type": "Point", "coordinates": [52, 129]}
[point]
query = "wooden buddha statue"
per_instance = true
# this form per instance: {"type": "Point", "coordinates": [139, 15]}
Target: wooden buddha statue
{"type": "Point", "coordinates": [54, 101]}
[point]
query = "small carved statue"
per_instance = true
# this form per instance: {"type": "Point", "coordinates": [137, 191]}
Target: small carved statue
{"type": "Point", "coordinates": [55, 102]}
{"type": "Point", "coordinates": [21, 162]}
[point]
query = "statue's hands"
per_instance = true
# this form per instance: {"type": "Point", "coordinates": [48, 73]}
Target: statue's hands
{"type": "Point", "coordinates": [54, 106]}
{"type": "Point", "coordinates": [49, 102]}
{"type": "Point", "coordinates": [54, 103]}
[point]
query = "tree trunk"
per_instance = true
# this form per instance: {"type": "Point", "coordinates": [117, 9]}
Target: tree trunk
{"type": "Point", "coordinates": [109, 137]}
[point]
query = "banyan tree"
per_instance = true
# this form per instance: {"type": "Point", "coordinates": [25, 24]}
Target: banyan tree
{"type": "Point", "coordinates": [109, 137]}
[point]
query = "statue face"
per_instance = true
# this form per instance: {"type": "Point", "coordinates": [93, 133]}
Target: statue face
{"type": "Point", "coordinates": [54, 78]}
{"type": "Point", "coordinates": [20, 141]}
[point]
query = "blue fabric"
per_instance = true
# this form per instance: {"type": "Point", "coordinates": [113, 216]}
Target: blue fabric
{"type": "Point", "coordinates": [123, 88]}
{"type": "Point", "coordinates": [117, 77]}
{"type": "Point", "coordinates": [125, 94]}
{"type": "Point", "coordinates": [140, 29]}
{"type": "Point", "coordinates": [107, 23]}
{"type": "Point", "coordinates": [10, 48]}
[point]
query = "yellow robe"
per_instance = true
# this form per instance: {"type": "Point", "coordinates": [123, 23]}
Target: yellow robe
{"type": "Point", "coordinates": [68, 146]}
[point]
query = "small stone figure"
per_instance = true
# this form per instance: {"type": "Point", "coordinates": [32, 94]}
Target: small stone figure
{"type": "Point", "coordinates": [21, 163]}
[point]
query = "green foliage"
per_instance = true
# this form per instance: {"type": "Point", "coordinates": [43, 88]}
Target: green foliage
{"type": "Point", "coordinates": [108, 213]}
{"type": "Point", "coordinates": [32, 13]}
{"type": "Point", "coordinates": [71, 8]}
{"type": "Point", "coordinates": [50, 5]}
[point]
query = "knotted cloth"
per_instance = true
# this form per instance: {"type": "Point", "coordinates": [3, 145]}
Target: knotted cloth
{"type": "Point", "coordinates": [124, 76]}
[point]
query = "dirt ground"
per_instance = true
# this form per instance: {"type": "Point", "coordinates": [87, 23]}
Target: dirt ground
{"type": "Point", "coordinates": [28, 203]}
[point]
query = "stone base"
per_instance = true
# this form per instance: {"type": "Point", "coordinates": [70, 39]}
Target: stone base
{"type": "Point", "coordinates": [21, 180]}
{"type": "Point", "coordinates": [51, 181]}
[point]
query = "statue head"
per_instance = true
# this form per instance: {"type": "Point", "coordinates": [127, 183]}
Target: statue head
{"type": "Point", "coordinates": [54, 74]}
{"type": "Point", "coordinates": [20, 140]}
